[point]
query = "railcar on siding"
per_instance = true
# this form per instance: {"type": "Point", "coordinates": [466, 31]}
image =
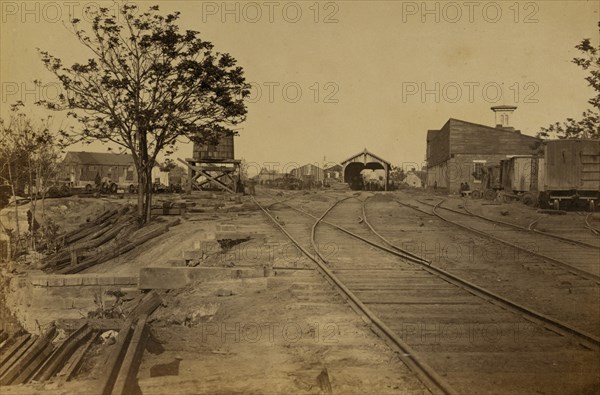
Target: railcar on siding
{"type": "Point", "coordinates": [572, 172]}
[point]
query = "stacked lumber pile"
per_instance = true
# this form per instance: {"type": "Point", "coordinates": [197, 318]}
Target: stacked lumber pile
{"type": "Point", "coordinates": [122, 364]}
{"type": "Point", "coordinates": [26, 358]}
{"type": "Point", "coordinates": [111, 234]}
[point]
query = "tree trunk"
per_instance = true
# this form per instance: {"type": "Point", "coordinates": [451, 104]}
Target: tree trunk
{"type": "Point", "coordinates": [148, 202]}
{"type": "Point", "coordinates": [141, 193]}
{"type": "Point", "coordinates": [17, 231]}
{"type": "Point", "coordinates": [145, 194]}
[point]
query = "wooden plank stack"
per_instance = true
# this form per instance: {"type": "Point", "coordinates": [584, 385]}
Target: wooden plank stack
{"type": "Point", "coordinates": [26, 358]}
{"type": "Point", "coordinates": [111, 234]}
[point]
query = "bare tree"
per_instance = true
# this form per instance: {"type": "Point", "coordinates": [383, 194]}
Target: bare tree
{"type": "Point", "coordinates": [30, 157]}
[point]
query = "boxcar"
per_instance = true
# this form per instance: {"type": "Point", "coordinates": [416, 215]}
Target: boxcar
{"type": "Point", "coordinates": [522, 177]}
{"type": "Point", "coordinates": [572, 172]}
{"type": "Point", "coordinates": [491, 183]}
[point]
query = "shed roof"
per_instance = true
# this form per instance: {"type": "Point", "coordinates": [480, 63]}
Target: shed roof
{"type": "Point", "coordinates": [490, 128]}
{"type": "Point", "coordinates": [98, 158]}
{"type": "Point", "coordinates": [364, 154]}
{"type": "Point", "coordinates": [311, 165]}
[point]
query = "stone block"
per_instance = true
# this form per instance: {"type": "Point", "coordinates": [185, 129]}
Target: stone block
{"type": "Point", "coordinates": [206, 235]}
{"type": "Point", "coordinates": [39, 281]}
{"type": "Point", "coordinates": [226, 228]}
{"type": "Point", "coordinates": [176, 263]}
{"type": "Point", "coordinates": [56, 281]}
{"type": "Point", "coordinates": [126, 280]}
{"type": "Point", "coordinates": [90, 279]}
{"type": "Point", "coordinates": [178, 277]}
{"type": "Point", "coordinates": [73, 280]}
{"type": "Point", "coordinates": [106, 280]}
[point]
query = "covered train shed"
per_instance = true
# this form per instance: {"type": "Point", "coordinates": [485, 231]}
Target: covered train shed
{"type": "Point", "coordinates": [354, 165]}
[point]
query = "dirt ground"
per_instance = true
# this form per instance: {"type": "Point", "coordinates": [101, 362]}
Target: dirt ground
{"type": "Point", "coordinates": [270, 335]}
{"type": "Point", "coordinates": [265, 336]}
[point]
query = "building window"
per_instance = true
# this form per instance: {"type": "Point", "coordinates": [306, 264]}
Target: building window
{"type": "Point", "coordinates": [478, 171]}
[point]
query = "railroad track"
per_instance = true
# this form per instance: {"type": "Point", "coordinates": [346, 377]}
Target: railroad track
{"type": "Point", "coordinates": [557, 252]}
{"type": "Point", "coordinates": [586, 225]}
{"type": "Point", "coordinates": [593, 229]}
{"type": "Point", "coordinates": [399, 294]}
{"type": "Point", "coordinates": [531, 228]}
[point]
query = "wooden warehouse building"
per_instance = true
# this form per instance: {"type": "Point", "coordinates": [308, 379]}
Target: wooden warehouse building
{"type": "Point", "coordinates": [309, 172]}
{"type": "Point", "coordinates": [459, 151]}
{"type": "Point", "coordinates": [81, 168]}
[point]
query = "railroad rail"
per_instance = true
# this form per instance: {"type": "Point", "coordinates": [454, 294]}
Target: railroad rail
{"type": "Point", "coordinates": [588, 225]}
{"type": "Point", "coordinates": [434, 382]}
{"type": "Point", "coordinates": [555, 261]}
{"type": "Point", "coordinates": [586, 339]}
{"type": "Point", "coordinates": [530, 228]}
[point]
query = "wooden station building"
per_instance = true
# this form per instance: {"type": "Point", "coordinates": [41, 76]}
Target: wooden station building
{"type": "Point", "coordinates": [459, 151]}
{"type": "Point", "coordinates": [352, 167]}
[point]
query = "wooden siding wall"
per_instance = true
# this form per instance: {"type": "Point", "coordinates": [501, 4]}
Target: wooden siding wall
{"type": "Point", "coordinates": [457, 170]}
{"type": "Point", "coordinates": [87, 173]}
{"type": "Point", "coordinates": [573, 164]}
{"type": "Point", "coordinates": [306, 171]}
{"type": "Point", "coordinates": [468, 138]}
{"type": "Point", "coordinates": [522, 174]}
{"type": "Point", "coordinates": [437, 175]}
{"type": "Point", "coordinates": [222, 151]}
{"type": "Point", "coordinates": [438, 148]}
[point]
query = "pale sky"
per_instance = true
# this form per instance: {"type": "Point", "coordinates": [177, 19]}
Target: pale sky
{"type": "Point", "coordinates": [361, 75]}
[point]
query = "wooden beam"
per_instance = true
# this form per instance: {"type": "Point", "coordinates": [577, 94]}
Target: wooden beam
{"type": "Point", "coordinates": [63, 352]}
{"type": "Point", "coordinates": [75, 360]}
{"type": "Point", "coordinates": [21, 364]}
{"type": "Point", "coordinates": [125, 381]}
{"type": "Point", "coordinates": [217, 181]}
{"type": "Point", "coordinates": [208, 181]}
{"type": "Point", "coordinates": [113, 364]}
{"type": "Point", "coordinates": [18, 347]}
